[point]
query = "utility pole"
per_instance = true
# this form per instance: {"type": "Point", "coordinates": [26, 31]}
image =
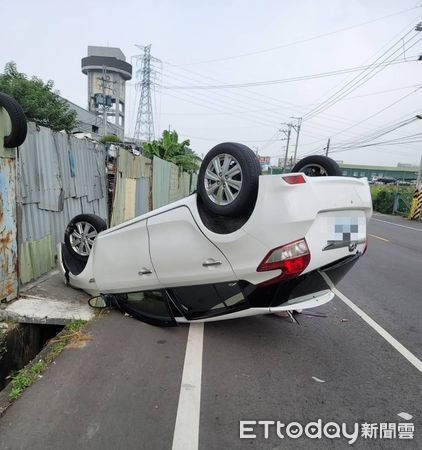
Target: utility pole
{"type": "Point", "coordinates": [287, 133]}
{"type": "Point", "coordinates": [104, 99]}
{"type": "Point", "coordinates": [419, 180]}
{"type": "Point", "coordinates": [144, 127]}
{"type": "Point", "coordinates": [328, 147]}
{"type": "Point", "coordinates": [297, 129]}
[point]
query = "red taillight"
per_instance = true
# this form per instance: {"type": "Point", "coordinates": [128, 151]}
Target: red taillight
{"type": "Point", "coordinates": [366, 246]}
{"type": "Point", "coordinates": [294, 179]}
{"type": "Point", "coordinates": [292, 259]}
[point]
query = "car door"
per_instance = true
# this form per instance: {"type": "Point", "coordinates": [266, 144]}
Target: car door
{"type": "Point", "coordinates": [122, 261]}
{"type": "Point", "coordinates": [181, 254]}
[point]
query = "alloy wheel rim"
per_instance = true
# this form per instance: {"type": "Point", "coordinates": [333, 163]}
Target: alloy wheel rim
{"type": "Point", "coordinates": [223, 179]}
{"type": "Point", "coordinates": [82, 238]}
{"type": "Point", "coordinates": [314, 170]}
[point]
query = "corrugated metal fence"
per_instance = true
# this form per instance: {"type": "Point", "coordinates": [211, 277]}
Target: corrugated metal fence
{"type": "Point", "coordinates": [169, 183]}
{"type": "Point", "coordinates": [132, 187]}
{"type": "Point", "coordinates": [61, 176]}
{"type": "Point", "coordinates": [134, 192]}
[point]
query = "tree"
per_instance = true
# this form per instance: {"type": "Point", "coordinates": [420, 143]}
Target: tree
{"type": "Point", "coordinates": [170, 149]}
{"type": "Point", "coordinates": [109, 138]}
{"type": "Point", "coordinates": [40, 102]}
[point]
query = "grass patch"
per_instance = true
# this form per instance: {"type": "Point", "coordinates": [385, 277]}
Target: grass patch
{"type": "Point", "coordinates": [22, 379]}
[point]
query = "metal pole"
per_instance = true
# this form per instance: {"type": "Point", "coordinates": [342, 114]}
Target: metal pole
{"type": "Point", "coordinates": [299, 124]}
{"type": "Point", "coordinates": [287, 147]}
{"type": "Point", "coordinates": [328, 147]}
{"type": "Point", "coordinates": [104, 101]}
{"type": "Point", "coordinates": [419, 180]}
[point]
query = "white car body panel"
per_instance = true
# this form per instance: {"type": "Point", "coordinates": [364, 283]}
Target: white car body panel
{"type": "Point", "coordinates": [179, 249]}
{"type": "Point", "coordinates": [85, 280]}
{"type": "Point", "coordinates": [120, 257]}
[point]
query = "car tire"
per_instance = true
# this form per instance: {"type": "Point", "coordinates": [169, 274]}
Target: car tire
{"type": "Point", "coordinates": [19, 126]}
{"type": "Point", "coordinates": [228, 180]}
{"type": "Point", "coordinates": [81, 233]}
{"type": "Point", "coordinates": [318, 166]}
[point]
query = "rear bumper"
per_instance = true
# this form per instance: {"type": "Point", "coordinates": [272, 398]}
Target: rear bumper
{"type": "Point", "coordinates": [306, 291]}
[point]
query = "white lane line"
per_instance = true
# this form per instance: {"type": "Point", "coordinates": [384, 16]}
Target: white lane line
{"type": "Point", "coordinates": [398, 224]}
{"type": "Point", "coordinates": [186, 430]}
{"type": "Point", "coordinates": [383, 333]}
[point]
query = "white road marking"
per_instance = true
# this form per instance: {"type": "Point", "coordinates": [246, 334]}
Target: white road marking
{"type": "Point", "coordinates": [186, 430]}
{"type": "Point", "coordinates": [378, 328]}
{"type": "Point", "coordinates": [398, 225]}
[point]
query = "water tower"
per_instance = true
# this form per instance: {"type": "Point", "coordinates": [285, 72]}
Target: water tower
{"type": "Point", "coordinates": [107, 72]}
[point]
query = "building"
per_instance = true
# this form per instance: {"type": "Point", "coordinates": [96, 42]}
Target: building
{"type": "Point", "coordinates": [92, 123]}
{"type": "Point", "coordinates": [107, 72]}
{"type": "Point", "coordinates": [402, 172]}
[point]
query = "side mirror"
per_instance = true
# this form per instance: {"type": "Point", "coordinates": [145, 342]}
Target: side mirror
{"type": "Point", "coordinates": [100, 302]}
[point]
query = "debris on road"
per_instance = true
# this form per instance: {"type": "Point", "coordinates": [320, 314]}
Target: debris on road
{"type": "Point", "coordinates": [405, 416]}
{"type": "Point", "coordinates": [318, 380]}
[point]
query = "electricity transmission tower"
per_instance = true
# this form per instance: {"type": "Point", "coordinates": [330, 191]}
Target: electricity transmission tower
{"type": "Point", "coordinates": [147, 74]}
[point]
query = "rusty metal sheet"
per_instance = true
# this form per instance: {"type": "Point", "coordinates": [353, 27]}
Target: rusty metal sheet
{"type": "Point", "coordinates": [8, 246]}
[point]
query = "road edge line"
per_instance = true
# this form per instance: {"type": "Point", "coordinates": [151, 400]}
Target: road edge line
{"type": "Point", "coordinates": [378, 328]}
{"type": "Point", "coordinates": [186, 429]}
{"type": "Point", "coordinates": [397, 224]}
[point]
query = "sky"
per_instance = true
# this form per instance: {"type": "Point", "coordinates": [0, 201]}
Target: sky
{"type": "Point", "coordinates": [209, 44]}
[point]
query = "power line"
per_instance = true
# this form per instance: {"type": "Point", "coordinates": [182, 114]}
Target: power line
{"type": "Point", "coordinates": [378, 112]}
{"type": "Point", "coordinates": [372, 136]}
{"type": "Point", "coordinates": [242, 102]}
{"type": "Point", "coordinates": [282, 80]}
{"type": "Point", "coordinates": [360, 79]}
{"type": "Point", "coordinates": [301, 41]}
{"type": "Point", "coordinates": [379, 53]}
{"type": "Point", "coordinates": [369, 94]}
{"type": "Point", "coordinates": [261, 97]}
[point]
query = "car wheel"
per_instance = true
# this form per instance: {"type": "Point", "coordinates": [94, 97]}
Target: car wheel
{"type": "Point", "coordinates": [81, 233]}
{"type": "Point", "coordinates": [19, 126]}
{"type": "Point", "coordinates": [228, 179]}
{"type": "Point", "coordinates": [318, 166]}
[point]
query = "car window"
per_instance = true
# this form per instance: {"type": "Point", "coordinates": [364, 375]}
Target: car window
{"type": "Point", "coordinates": [150, 306]}
{"type": "Point", "coordinates": [203, 300]}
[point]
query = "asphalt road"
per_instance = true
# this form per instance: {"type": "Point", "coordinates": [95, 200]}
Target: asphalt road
{"type": "Point", "coordinates": [122, 389]}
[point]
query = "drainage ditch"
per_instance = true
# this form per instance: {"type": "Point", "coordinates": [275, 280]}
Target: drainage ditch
{"type": "Point", "coordinates": [20, 343]}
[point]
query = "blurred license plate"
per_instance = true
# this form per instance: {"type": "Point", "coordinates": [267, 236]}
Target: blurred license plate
{"type": "Point", "coordinates": [345, 231]}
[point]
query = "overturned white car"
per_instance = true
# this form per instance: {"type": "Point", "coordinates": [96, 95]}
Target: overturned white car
{"type": "Point", "coordinates": [244, 244]}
